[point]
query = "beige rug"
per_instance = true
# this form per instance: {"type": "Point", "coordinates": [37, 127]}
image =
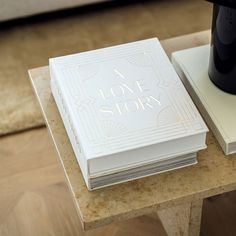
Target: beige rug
{"type": "Point", "coordinates": [30, 44]}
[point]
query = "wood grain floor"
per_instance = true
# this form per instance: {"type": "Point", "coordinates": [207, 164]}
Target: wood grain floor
{"type": "Point", "coordinates": [35, 200]}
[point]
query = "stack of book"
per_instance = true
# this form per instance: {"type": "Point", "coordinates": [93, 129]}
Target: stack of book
{"type": "Point", "coordinates": [126, 112]}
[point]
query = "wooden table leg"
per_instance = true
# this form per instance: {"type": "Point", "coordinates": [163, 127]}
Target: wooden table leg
{"type": "Point", "coordinates": [182, 220]}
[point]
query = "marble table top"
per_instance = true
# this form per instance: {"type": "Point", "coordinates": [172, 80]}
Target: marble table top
{"type": "Point", "coordinates": [215, 173]}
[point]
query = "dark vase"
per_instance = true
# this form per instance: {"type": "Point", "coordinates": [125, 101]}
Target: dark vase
{"type": "Point", "coordinates": [222, 65]}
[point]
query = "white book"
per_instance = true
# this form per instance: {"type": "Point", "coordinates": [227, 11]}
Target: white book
{"type": "Point", "coordinates": [126, 112]}
{"type": "Point", "coordinates": [217, 107]}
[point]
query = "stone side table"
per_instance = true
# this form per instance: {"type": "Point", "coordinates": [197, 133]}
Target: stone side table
{"type": "Point", "coordinates": [176, 196]}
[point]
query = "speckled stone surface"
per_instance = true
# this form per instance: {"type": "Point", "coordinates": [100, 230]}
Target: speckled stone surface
{"type": "Point", "coordinates": [214, 174]}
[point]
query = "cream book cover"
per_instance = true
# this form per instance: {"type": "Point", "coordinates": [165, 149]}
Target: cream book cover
{"type": "Point", "coordinates": [125, 107]}
{"type": "Point", "coordinates": [217, 107]}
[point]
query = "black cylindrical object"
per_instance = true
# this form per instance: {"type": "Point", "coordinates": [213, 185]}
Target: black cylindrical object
{"type": "Point", "coordinates": [222, 65]}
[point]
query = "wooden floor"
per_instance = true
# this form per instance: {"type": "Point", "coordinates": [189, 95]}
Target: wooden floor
{"type": "Point", "coordinates": [35, 200]}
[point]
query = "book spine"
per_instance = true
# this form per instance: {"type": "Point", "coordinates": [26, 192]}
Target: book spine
{"type": "Point", "coordinates": [69, 126]}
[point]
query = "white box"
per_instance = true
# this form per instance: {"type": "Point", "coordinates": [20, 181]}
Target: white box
{"type": "Point", "coordinates": [125, 110]}
{"type": "Point", "coordinates": [217, 106]}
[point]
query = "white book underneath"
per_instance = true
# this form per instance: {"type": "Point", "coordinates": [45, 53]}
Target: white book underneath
{"type": "Point", "coordinates": [126, 112]}
{"type": "Point", "coordinates": [217, 107]}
